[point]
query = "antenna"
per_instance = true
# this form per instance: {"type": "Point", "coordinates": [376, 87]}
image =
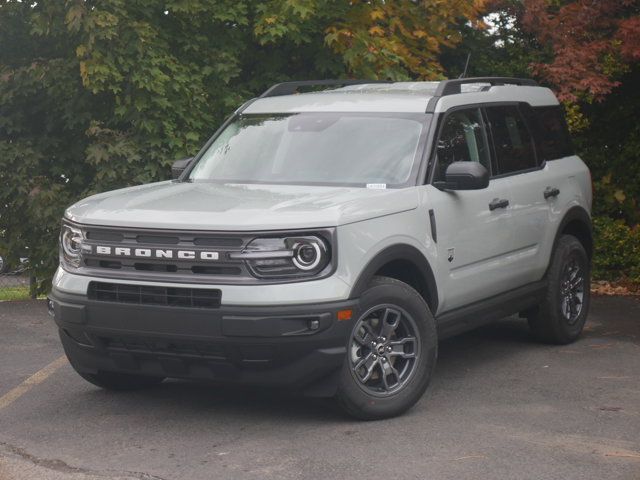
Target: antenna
{"type": "Point", "coordinates": [466, 66]}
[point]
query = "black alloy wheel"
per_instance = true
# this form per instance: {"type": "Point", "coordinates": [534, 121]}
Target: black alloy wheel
{"type": "Point", "coordinates": [384, 350]}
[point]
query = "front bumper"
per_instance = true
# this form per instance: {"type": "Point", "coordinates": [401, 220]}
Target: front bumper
{"type": "Point", "coordinates": [300, 347]}
{"type": "Point", "coordinates": [329, 289]}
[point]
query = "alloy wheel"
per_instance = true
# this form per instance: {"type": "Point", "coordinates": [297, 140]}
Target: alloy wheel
{"type": "Point", "coordinates": [384, 350]}
{"type": "Point", "coordinates": [572, 286]}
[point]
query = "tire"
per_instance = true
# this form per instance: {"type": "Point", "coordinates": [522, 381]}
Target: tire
{"type": "Point", "coordinates": [120, 381]}
{"type": "Point", "coordinates": [386, 378]}
{"type": "Point", "coordinates": [560, 318]}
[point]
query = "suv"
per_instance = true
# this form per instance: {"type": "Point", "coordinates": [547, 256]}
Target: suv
{"type": "Point", "coordinates": [325, 242]}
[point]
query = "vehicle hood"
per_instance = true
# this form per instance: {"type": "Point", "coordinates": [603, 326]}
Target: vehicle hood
{"type": "Point", "coordinates": [238, 207]}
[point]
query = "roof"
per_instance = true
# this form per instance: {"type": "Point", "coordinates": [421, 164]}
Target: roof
{"type": "Point", "coordinates": [398, 97]}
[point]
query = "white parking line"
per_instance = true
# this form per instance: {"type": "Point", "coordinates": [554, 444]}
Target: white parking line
{"type": "Point", "coordinates": [38, 377]}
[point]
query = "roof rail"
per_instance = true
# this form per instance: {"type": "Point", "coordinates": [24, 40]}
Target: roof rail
{"type": "Point", "coordinates": [453, 86]}
{"type": "Point", "coordinates": [289, 88]}
{"type": "Point", "coordinates": [450, 87]}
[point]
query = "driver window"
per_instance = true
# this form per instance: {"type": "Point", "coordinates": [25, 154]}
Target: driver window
{"type": "Point", "coordinates": [461, 139]}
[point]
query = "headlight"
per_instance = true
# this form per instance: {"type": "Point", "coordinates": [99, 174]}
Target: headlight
{"type": "Point", "coordinates": [71, 245]}
{"type": "Point", "coordinates": [302, 256]}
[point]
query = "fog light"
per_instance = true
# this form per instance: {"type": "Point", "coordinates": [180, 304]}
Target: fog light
{"type": "Point", "coordinates": [314, 324]}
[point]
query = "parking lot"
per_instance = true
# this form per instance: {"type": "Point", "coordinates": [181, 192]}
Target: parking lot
{"type": "Point", "coordinates": [500, 407]}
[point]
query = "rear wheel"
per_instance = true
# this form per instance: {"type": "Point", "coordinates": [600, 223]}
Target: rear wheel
{"type": "Point", "coordinates": [391, 352]}
{"type": "Point", "coordinates": [562, 315]}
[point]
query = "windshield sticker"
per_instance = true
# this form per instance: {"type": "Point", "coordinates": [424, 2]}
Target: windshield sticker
{"type": "Point", "coordinates": [377, 186]}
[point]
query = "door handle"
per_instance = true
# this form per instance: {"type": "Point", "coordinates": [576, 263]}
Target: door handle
{"type": "Point", "coordinates": [498, 203]}
{"type": "Point", "coordinates": [551, 192]}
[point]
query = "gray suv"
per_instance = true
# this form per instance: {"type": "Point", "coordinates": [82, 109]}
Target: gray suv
{"type": "Point", "coordinates": [325, 241]}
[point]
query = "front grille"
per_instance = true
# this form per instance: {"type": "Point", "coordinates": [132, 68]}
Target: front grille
{"type": "Point", "coordinates": [155, 295]}
{"type": "Point", "coordinates": [224, 269]}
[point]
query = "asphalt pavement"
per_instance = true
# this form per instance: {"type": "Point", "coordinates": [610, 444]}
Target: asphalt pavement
{"type": "Point", "coordinates": [500, 407]}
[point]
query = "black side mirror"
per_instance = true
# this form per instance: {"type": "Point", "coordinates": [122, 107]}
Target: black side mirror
{"type": "Point", "coordinates": [464, 176]}
{"type": "Point", "coordinates": [179, 166]}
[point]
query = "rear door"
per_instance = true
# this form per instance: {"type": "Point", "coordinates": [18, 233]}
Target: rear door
{"type": "Point", "coordinates": [517, 160]}
{"type": "Point", "coordinates": [473, 238]}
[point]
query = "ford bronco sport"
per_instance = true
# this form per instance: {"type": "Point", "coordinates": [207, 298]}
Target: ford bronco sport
{"type": "Point", "coordinates": [325, 241]}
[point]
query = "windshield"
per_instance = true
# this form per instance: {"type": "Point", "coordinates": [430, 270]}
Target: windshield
{"type": "Point", "coordinates": [316, 149]}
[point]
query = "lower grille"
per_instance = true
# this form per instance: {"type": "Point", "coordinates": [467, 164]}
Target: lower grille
{"type": "Point", "coordinates": [150, 346]}
{"type": "Point", "coordinates": [152, 295]}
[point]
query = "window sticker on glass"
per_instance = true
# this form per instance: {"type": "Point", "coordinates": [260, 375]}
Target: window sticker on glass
{"type": "Point", "coordinates": [377, 186]}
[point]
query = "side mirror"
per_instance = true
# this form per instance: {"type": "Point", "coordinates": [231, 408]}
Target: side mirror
{"type": "Point", "coordinates": [464, 176]}
{"type": "Point", "coordinates": [179, 166]}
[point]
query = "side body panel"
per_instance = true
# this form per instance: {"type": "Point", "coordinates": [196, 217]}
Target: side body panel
{"type": "Point", "coordinates": [531, 223]}
{"type": "Point", "coordinates": [475, 253]}
{"type": "Point", "coordinates": [536, 219]}
{"type": "Point", "coordinates": [522, 236]}
{"type": "Point", "coordinates": [361, 242]}
{"type": "Point", "coordinates": [571, 177]}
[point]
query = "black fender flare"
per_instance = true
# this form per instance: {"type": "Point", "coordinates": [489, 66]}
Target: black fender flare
{"type": "Point", "coordinates": [578, 214]}
{"type": "Point", "coordinates": [398, 252]}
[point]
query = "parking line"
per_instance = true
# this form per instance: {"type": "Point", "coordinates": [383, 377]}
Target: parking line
{"type": "Point", "coordinates": [38, 377]}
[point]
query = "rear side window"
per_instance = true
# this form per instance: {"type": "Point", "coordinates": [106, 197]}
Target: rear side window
{"type": "Point", "coordinates": [550, 131]}
{"type": "Point", "coordinates": [512, 140]}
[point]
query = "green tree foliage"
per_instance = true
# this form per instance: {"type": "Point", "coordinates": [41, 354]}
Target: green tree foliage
{"type": "Point", "coordinates": [500, 46]}
{"type": "Point", "coordinates": [96, 95]}
{"type": "Point", "coordinates": [610, 143]}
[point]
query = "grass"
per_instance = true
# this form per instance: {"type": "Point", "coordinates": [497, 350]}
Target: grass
{"type": "Point", "coordinates": [20, 292]}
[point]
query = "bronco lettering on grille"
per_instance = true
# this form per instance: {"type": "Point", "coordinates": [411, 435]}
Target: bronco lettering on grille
{"type": "Point", "coordinates": [156, 253]}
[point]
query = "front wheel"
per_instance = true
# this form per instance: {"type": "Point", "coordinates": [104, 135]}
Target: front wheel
{"type": "Point", "coordinates": [562, 315]}
{"type": "Point", "coordinates": [391, 352]}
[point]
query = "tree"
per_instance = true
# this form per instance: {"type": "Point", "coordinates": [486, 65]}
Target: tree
{"type": "Point", "coordinates": [96, 95]}
{"type": "Point", "coordinates": [593, 44]}
{"type": "Point", "coordinates": [499, 46]}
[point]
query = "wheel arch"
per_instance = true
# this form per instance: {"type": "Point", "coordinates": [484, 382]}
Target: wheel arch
{"type": "Point", "coordinates": [405, 263]}
{"type": "Point", "coordinates": [576, 222]}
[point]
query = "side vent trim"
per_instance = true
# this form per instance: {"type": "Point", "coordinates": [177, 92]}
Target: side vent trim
{"type": "Point", "coordinates": [432, 221]}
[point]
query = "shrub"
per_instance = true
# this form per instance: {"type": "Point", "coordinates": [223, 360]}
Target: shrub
{"type": "Point", "coordinates": [617, 250]}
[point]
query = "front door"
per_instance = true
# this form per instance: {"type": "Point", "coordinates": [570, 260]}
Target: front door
{"type": "Point", "coordinates": [474, 227]}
